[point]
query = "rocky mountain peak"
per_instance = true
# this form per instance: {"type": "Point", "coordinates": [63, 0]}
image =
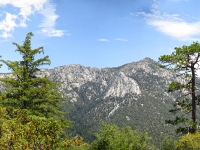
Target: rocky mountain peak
{"type": "Point", "coordinates": [148, 59]}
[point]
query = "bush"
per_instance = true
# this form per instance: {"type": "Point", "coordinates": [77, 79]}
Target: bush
{"type": "Point", "coordinates": [189, 142]}
{"type": "Point", "coordinates": [24, 131]}
{"type": "Point", "coordinates": [113, 138]}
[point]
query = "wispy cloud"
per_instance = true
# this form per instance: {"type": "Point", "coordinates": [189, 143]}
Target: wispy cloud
{"type": "Point", "coordinates": [120, 39]}
{"type": "Point", "coordinates": [177, 0]}
{"type": "Point", "coordinates": [26, 8]}
{"type": "Point", "coordinates": [117, 39]}
{"type": "Point", "coordinates": [49, 21]}
{"type": "Point", "coordinates": [171, 24]}
{"type": "Point", "coordinates": [103, 40]}
{"type": "Point", "coordinates": [4, 40]}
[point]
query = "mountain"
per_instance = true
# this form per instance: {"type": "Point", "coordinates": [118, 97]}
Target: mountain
{"type": "Point", "coordinates": [134, 94]}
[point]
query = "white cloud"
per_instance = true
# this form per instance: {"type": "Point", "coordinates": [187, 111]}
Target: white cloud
{"type": "Point", "coordinates": [12, 21]}
{"type": "Point", "coordinates": [103, 40]}
{"type": "Point", "coordinates": [49, 21]}
{"type": "Point", "coordinates": [172, 24]}
{"type": "Point", "coordinates": [120, 39]}
{"type": "Point", "coordinates": [8, 25]}
{"type": "Point", "coordinates": [178, 29]}
{"type": "Point", "coordinates": [27, 8]}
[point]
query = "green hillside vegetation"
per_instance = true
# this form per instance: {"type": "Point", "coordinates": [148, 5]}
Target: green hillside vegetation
{"type": "Point", "coordinates": [149, 105]}
{"type": "Point", "coordinates": [33, 112]}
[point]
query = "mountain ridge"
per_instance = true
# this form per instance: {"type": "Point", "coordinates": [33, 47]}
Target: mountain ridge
{"type": "Point", "coordinates": [133, 94]}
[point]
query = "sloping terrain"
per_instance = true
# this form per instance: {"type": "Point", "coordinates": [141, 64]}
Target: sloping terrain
{"type": "Point", "coordinates": [134, 94]}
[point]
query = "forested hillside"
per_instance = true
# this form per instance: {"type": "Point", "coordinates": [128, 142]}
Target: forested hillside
{"type": "Point", "coordinates": [134, 94]}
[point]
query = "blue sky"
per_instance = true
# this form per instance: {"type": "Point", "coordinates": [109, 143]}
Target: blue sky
{"type": "Point", "coordinates": [98, 33]}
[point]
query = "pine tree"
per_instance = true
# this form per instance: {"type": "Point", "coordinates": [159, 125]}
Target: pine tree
{"type": "Point", "coordinates": [185, 62]}
{"type": "Point", "coordinates": [24, 90]}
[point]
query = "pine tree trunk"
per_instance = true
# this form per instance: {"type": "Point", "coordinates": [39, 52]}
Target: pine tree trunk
{"type": "Point", "coordinates": [193, 102]}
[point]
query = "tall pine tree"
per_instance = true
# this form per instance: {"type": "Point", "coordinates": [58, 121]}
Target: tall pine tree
{"type": "Point", "coordinates": [25, 90]}
{"type": "Point", "coordinates": [185, 62]}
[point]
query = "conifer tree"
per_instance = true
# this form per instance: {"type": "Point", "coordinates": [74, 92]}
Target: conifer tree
{"type": "Point", "coordinates": [185, 62]}
{"type": "Point", "coordinates": [24, 90]}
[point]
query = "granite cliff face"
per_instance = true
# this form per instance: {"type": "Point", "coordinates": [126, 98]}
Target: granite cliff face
{"type": "Point", "coordinates": [133, 94]}
{"type": "Point", "coordinates": [107, 82]}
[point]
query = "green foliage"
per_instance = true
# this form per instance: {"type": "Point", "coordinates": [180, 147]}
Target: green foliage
{"type": "Point", "coordinates": [76, 143]}
{"type": "Point", "coordinates": [189, 142]}
{"type": "Point", "coordinates": [168, 144]}
{"type": "Point", "coordinates": [184, 61]}
{"type": "Point", "coordinates": [175, 86]}
{"type": "Point", "coordinates": [181, 57]}
{"type": "Point", "coordinates": [24, 131]}
{"type": "Point", "coordinates": [24, 90]}
{"type": "Point", "coordinates": [33, 118]}
{"type": "Point", "coordinates": [113, 138]}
